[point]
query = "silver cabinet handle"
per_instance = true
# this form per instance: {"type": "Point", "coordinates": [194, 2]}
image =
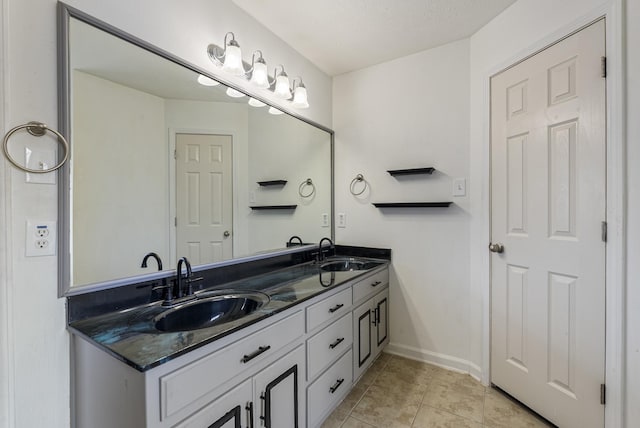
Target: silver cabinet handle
{"type": "Point", "coordinates": [496, 248]}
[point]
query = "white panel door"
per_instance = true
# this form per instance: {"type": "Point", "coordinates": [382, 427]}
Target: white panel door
{"type": "Point", "coordinates": [204, 197]}
{"type": "Point", "coordinates": [547, 207]}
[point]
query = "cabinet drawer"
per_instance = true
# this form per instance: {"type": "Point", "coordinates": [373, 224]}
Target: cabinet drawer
{"type": "Point", "coordinates": [370, 285]}
{"type": "Point", "coordinates": [328, 389]}
{"type": "Point", "coordinates": [330, 308]}
{"type": "Point", "coordinates": [184, 386]}
{"type": "Point", "coordinates": [325, 346]}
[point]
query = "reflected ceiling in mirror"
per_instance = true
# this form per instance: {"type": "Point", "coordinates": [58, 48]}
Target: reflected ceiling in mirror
{"type": "Point", "coordinates": [164, 163]}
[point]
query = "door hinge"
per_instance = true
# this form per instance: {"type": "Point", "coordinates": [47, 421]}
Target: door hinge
{"type": "Point", "coordinates": [175, 154]}
{"type": "Point", "coordinates": [603, 66]}
{"type": "Point", "coordinates": [604, 231]}
{"type": "Point", "coordinates": [603, 394]}
{"type": "Point", "coordinates": [175, 221]}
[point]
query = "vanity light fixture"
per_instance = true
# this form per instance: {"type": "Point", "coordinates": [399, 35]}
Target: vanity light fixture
{"type": "Point", "coordinates": [259, 74]}
{"type": "Point", "coordinates": [281, 89]}
{"type": "Point", "coordinates": [299, 94]}
{"type": "Point", "coordinates": [230, 57]}
{"type": "Point", "coordinates": [256, 103]}
{"type": "Point", "coordinates": [207, 81]}
{"type": "Point", "coordinates": [234, 93]}
{"type": "Point", "coordinates": [275, 111]}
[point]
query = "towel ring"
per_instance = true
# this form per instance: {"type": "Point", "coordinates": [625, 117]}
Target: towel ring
{"type": "Point", "coordinates": [37, 129]}
{"type": "Point", "coordinates": [358, 179]}
{"type": "Point", "coordinates": [305, 183]}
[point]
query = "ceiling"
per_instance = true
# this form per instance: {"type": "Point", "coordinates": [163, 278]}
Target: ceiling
{"type": "Point", "coordinates": [340, 36]}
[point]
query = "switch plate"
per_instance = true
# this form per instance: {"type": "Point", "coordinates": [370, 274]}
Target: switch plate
{"type": "Point", "coordinates": [342, 220]}
{"type": "Point", "coordinates": [41, 238]}
{"type": "Point", "coordinates": [459, 187]}
{"type": "Point", "coordinates": [40, 159]}
{"type": "Point", "coordinates": [325, 220]}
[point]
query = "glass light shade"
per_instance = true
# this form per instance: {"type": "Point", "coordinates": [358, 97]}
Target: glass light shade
{"type": "Point", "coordinates": [233, 61]}
{"type": "Point", "coordinates": [300, 97]}
{"type": "Point", "coordinates": [259, 76]}
{"type": "Point", "coordinates": [274, 110]}
{"type": "Point", "coordinates": [256, 103]}
{"type": "Point", "coordinates": [234, 94]}
{"type": "Point", "coordinates": [207, 81]}
{"type": "Point", "coordinates": [282, 87]}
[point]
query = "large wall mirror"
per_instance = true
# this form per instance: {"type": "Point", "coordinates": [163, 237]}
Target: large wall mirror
{"type": "Point", "coordinates": [163, 163]}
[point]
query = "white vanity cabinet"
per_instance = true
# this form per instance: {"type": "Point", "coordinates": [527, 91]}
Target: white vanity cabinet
{"type": "Point", "coordinates": [287, 371]}
{"type": "Point", "coordinates": [370, 321]}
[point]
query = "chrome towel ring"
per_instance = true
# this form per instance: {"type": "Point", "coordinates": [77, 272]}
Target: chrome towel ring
{"type": "Point", "coordinates": [306, 183]}
{"type": "Point", "coordinates": [358, 179]}
{"type": "Point", "coordinates": [37, 129]}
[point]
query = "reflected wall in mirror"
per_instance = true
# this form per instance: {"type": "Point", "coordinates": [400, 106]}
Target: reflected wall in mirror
{"type": "Point", "coordinates": [163, 163]}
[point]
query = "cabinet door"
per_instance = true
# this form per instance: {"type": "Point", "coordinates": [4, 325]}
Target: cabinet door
{"type": "Point", "coordinates": [362, 322]}
{"type": "Point", "coordinates": [280, 392]}
{"type": "Point", "coordinates": [381, 319]}
{"type": "Point", "coordinates": [232, 410]}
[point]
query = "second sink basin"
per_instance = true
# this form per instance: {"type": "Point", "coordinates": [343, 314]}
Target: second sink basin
{"type": "Point", "coordinates": [206, 312]}
{"type": "Point", "coordinates": [348, 264]}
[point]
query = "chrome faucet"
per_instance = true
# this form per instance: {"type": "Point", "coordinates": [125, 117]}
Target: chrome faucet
{"type": "Point", "coordinates": [321, 252]}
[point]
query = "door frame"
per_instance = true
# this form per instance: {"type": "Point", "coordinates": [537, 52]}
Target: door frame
{"type": "Point", "coordinates": [615, 259]}
{"type": "Point", "coordinates": [173, 132]}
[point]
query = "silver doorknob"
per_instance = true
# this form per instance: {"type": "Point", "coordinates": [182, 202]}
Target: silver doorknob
{"type": "Point", "coordinates": [496, 248]}
{"type": "Point", "coordinates": [226, 234]}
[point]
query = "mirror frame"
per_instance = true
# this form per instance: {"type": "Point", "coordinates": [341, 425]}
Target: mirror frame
{"type": "Point", "coordinates": [64, 14]}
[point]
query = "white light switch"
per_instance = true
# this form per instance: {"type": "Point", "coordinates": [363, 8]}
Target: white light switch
{"type": "Point", "coordinates": [40, 159]}
{"type": "Point", "coordinates": [459, 187]}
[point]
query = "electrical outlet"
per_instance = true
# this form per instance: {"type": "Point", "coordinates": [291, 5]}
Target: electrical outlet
{"type": "Point", "coordinates": [342, 220]}
{"type": "Point", "coordinates": [325, 220]}
{"type": "Point", "coordinates": [40, 238]}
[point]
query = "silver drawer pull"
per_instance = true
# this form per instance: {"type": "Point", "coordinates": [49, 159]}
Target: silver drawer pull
{"type": "Point", "coordinates": [336, 307]}
{"type": "Point", "coordinates": [375, 284]}
{"type": "Point", "coordinates": [336, 343]}
{"type": "Point", "coordinates": [335, 387]}
{"type": "Point", "coordinates": [251, 356]}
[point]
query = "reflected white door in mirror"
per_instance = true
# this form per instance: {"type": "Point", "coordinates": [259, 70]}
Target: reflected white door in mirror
{"type": "Point", "coordinates": [204, 197]}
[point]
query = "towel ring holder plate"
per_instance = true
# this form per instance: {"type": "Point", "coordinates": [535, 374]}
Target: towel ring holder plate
{"type": "Point", "coordinates": [37, 129]}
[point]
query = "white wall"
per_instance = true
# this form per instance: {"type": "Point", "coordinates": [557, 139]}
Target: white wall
{"type": "Point", "coordinates": [132, 222]}
{"type": "Point", "coordinates": [281, 148]}
{"type": "Point", "coordinates": [34, 345]}
{"type": "Point", "coordinates": [633, 214]}
{"type": "Point", "coordinates": [411, 112]}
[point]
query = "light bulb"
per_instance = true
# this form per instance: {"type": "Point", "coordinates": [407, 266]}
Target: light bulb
{"type": "Point", "coordinates": [207, 81]}
{"type": "Point", "coordinates": [282, 86]}
{"type": "Point", "coordinates": [300, 97]}
{"type": "Point", "coordinates": [233, 60]}
{"type": "Point", "coordinates": [234, 94]}
{"type": "Point", "coordinates": [256, 103]}
{"type": "Point", "coordinates": [274, 110]}
{"type": "Point", "coordinates": [259, 76]}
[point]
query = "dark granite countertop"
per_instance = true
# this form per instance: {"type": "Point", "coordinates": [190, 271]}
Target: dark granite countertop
{"type": "Point", "coordinates": [130, 335]}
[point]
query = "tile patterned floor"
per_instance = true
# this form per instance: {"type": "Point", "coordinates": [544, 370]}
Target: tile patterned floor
{"type": "Point", "coordinates": [397, 392]}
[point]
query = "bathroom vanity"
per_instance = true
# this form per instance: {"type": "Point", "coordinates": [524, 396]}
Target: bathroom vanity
{"type": "Point", "coordinates": [287, 364]}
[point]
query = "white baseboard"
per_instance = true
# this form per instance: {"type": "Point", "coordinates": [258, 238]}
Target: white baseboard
{"type": "Point", "coordinates": [441, 360]}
